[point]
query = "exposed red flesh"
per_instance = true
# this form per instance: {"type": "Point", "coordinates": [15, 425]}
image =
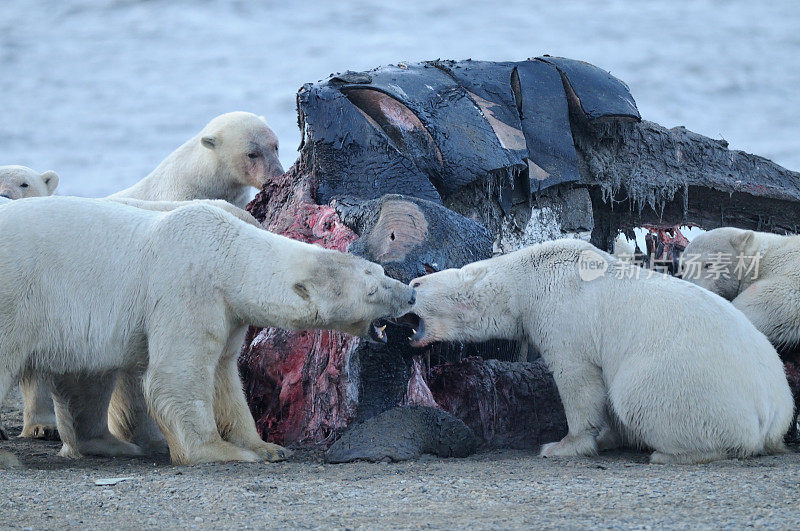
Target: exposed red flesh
{"type": "Point", "coordinates": [299, 385]}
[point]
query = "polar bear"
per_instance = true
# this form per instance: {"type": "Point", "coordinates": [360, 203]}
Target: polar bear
{"type": "Point", "coordinates": [234, 153]}
{"type": "Point", "coordinates": [758, 272]}
{"type": "Point", "coordinates": [19, 182]}
{"type": "Point", "coordinates": [129, 419]}
{"type": "Point", "coordinates": [693, 394]}
{"type": "Point", "coordinates": [94, 286]}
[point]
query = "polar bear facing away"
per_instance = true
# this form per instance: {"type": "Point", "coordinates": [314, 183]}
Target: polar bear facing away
{"type": "Point", "coordinates": [233, 154]}
{"type": "Point", "coordinates": [696, 393]}
{"type": "Point", "coordinates": [93, 286]}
{"type": "Point", "coordinates": [758, 272]}
{"type": "Point", "coordinates": [19, 182]}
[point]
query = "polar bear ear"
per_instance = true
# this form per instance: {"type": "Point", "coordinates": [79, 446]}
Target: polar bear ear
{"type": "Point", "coordinates": [302, 291]}
{"type": "Point", "coordinates": [50, 180]}
{"type": "Point", "coordinates": [211, 142]}
{"type": "Point", "coordinates": [743, 240]}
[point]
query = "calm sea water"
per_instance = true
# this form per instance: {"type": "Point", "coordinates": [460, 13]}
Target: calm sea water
{"type": "Point", "coordinates": [101, 91]}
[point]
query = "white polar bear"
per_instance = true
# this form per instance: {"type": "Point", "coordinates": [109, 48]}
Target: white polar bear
{"type": "Point", "coordinates": [93, 286]}
{"type": "Point", "coordinates": [234, 153]}
{"type": "Point", "coordinates": [128, 419]}
{"type": "Point", "coordinates": [19, 182]}
{"type": "Point", "coordinates": [758, 272]}
{"type": "Point", "coordinates": [693, 393]}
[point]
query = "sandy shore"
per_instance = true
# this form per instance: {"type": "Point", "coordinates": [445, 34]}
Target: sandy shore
{"type": "Point", "coordinates": [499, 489]}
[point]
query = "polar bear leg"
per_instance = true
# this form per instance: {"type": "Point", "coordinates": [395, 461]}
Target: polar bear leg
{"type": "Point", "coordinates": [234, 420]}
{"type": "Point", "coordinates": [10, 366]}
{"type": "Point", "coordinates": [583, 394]}
{"type": "Point", "coordinates": [7, 459]}
{"type": "Point", "coordinates": [128, 418]}
{"type": "Point", "coordinates": [609, 439]}
{"type": "Point", "coordinates": [81, 404]}
{"type": "Point", "coordinates": [38, 417]}
{"type": "Point", "coordinates": [179, 390]}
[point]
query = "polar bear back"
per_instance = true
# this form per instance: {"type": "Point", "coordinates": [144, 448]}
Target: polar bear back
{"type": "Point", "coordinates": [66, 258]}
{"type": "Point", "coordinates": [82, 275]}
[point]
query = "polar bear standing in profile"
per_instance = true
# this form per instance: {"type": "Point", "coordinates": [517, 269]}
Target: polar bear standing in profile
{"type": "Point", "coordinates": [234, 153]}
{"type": "Point", "coordinates": [93, 286]}
{"type": "Point", "coordinates": [693, 393]}
{"type": "Point", "coordinates": [758, 272]}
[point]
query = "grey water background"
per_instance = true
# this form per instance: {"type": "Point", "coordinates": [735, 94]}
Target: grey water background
{"type": "Point", "coordinates": [102, 91]}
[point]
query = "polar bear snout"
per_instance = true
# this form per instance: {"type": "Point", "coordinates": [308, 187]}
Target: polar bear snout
{"type": "Point", "coordinates": [400, 297]}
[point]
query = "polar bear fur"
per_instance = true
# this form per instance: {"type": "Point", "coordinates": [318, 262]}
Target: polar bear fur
{"type": "Point", "coordinates": [758, 272]}
{"type": "Point", "coordinates": [234, 153]}
{"type": "Point", "coordinates": [692, 393]}
{"type": "Point", "coordinates": [19, 182]}
{"type": "Point", "coordinates": [166, 206]}
{"type": "Point", "coordinates": [93, 286]}
{"type": "Point", "coordinates": [129, 419]}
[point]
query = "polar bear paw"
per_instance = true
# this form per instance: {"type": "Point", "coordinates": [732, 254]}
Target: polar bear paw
{"type": "Point", "coordinates": [46, 432]}
{"type": "Point", "coordinates": [570, 446]}
{"type": "Point", "coordinates": [272, 452]}
{"type": "Point", "coordinates": [217, 452]}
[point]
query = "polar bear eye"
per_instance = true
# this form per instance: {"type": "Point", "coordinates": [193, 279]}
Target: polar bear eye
{"type": "Point", "coordinates": [23, 185]}
{"type": "Point", "coordinates": [253, 155]}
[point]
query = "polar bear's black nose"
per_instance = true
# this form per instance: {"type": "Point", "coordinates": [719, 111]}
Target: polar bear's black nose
{"type": "Point", "coordinates": [413, 298]}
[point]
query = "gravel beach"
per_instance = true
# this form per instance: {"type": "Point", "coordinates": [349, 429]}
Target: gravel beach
{"type": "Point", "coordinates": [498, 489]}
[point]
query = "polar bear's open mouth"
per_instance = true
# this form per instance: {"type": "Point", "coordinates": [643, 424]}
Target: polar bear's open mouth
{"type": "Point", "coordinates": [417, 325]}
{"type": "Point", "coordinates": [377, 330]}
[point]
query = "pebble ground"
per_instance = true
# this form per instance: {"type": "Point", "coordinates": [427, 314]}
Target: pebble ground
{"type": "Point", "coordinates": [497, 489]}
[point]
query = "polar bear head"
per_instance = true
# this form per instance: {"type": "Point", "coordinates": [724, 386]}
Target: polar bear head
{"type": "Point", "coordinates": [347, 293]}
{"type": "Point", "coordinates": [467, 304]}
{"type": "Point", "coordinates": [245, 148]}
{"type": "Point", "coordinates": [717, 259]}
{"type": "Point", "coordinates": [18, 182]}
